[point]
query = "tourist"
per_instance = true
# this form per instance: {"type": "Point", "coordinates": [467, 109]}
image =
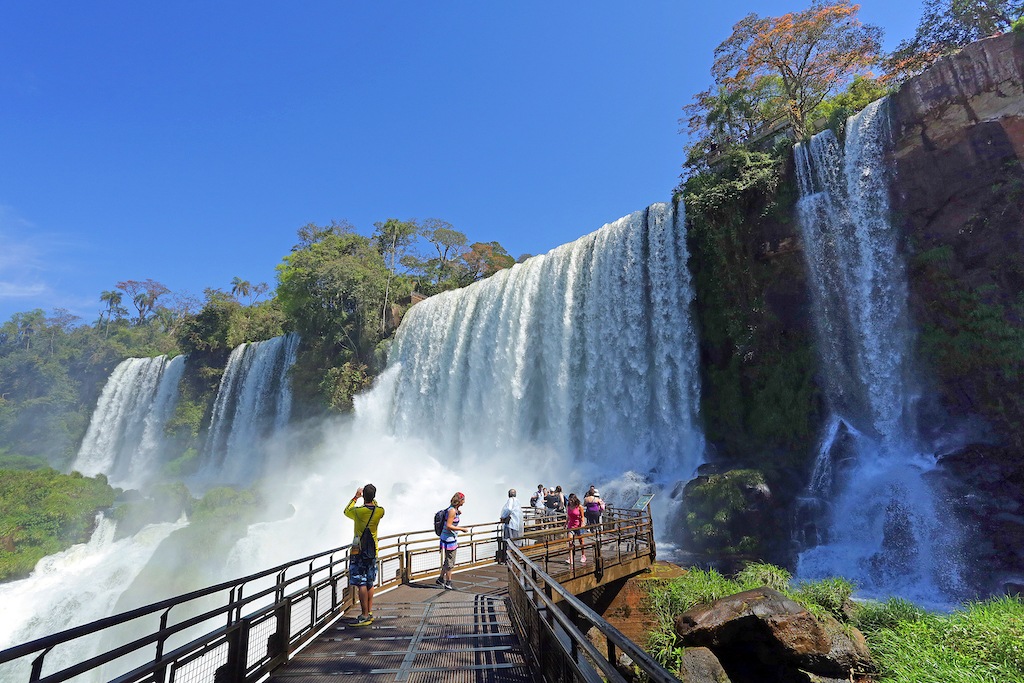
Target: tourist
{"type": "Point", "coordinates": [362, 568]}
{"type": "Point", "coordinates": [574, 524]}
{"type": "Point", "coordinates": [552, 501]}
{"type": "Point", "coordinates": [450, 540]}
{"type": "Point", "coordinates": [511, 518]}
{"type": "Point", "coordinates": [537, 499]}
{"type": "Point", "coordinates": [593, 505]}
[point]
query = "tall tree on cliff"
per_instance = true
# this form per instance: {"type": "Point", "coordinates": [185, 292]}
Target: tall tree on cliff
{"type": "Point", "coordinates": [393, 239]}
{"type": "Point", "coordinates": [811, 54]}
{"type": "Point", "coordinates": [945, 27]}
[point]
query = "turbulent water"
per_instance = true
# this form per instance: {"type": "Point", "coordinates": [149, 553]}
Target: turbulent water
{"type": "Point", "coordinates": [125, 436]}
{"type": "Point", "coordinates": [883, 527]}
{"type": "Point", "coordinates": [73, 587]}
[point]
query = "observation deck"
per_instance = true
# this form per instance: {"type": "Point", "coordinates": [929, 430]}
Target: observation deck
{"type": "Point", "coordinates": [515, 614]}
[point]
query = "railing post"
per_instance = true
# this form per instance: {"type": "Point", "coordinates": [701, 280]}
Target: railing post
{"type": "Point", "coordinates": [161, 671]}
{"type": "Point", "coordinates": [233, 670]}
{"type": "Point", "coordinates": [37, 666]}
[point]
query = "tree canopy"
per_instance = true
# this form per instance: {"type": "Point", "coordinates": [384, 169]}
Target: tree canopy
{"type": "Point", "coordinates": [807, 56]}
{"type": "Point", "coordinates": [945, 27]}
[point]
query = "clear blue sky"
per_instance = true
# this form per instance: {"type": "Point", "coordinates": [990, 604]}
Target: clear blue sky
{"type": "Point", "coordinates": [188, 141]}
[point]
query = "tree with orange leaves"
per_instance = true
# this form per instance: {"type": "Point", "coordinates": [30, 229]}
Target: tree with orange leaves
{"type": "Point", "coordinates": [810, 54]}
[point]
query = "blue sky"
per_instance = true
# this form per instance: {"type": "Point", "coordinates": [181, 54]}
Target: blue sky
{"type": "Point", "coordinates": [187, 142]}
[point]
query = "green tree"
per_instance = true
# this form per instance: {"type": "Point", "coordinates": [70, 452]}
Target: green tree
{"type": "Point", "coordinates": [144, 295]}
{"type": "Point", "coordinates": [240, 287]}
{"type": "Point", "coordinates": [945, 27]}
{"type": "Point", "coordinates": [450, 245]}
{"type": "Point", "coordinates": [332, 287]}
{"type": "Point", "coordinates": [393, 239]}
{"type": "Point", "coordinates": [813, 53]}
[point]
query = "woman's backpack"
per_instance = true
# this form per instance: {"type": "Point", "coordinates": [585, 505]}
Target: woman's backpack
{"type": "Point", "coordinates": [440, 517]}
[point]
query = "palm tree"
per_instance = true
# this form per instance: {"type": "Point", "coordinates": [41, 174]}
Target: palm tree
{"type": "Point", "coordinates": [240, 287]}
{"type": "Point", "coordinates": [113, 300]}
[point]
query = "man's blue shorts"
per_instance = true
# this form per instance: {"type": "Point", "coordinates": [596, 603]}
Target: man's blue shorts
{"type": "Point", "coordinates": [361, 571]}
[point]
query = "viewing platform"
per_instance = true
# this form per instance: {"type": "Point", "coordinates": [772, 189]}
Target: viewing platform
{"type": "Point", "coordinates": [516, 613]}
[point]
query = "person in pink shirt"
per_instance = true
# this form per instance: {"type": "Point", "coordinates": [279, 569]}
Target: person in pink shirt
{"type": "Point", "coordinates": [574, 524]}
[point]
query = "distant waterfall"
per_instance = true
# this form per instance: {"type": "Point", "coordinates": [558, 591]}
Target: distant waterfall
{"type": "Point", "coordinates": [885, 527]}
{"type": "Point", "coordinates": [587, 352]}
{"type": "Point", "coordinates": [254, 401]}
{"type": "Point", "coordinates": [125, 434]}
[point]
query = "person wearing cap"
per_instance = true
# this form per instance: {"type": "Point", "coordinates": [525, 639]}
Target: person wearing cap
{"type": "Point", "coordinates": [511, 517]}
{"type": "Point", "coordinates": [593, 506]}
{"type": "Point", "coordinates": [450, 540]}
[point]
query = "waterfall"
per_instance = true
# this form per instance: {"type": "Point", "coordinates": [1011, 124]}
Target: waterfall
{"type": "Point", "coordinates": [73, 587]}
{"type": "Point", "coordinates": [884, 528]}
{"type": "Point", "coordinates": [578, 366]}
{"type": "Point", "coordinates": [587, 352]}
{"type": "Point", "coordinates": [124, 437]}
{"type": "Point", "coordinates": [253, 402]}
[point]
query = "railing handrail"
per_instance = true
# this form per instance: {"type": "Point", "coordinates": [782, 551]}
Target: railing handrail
{"type": "Point", "coordinates": [50, 641]}
{"type": "Point", "coordinates": [649, 665]}
{"type": "Point", "coordinates": [319, 571]}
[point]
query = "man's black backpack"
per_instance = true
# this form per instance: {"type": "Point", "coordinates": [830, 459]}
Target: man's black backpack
{"type": "Point", "coordinates": [367, 548]}
{"type": "Point", "coordinates": [440, 518]}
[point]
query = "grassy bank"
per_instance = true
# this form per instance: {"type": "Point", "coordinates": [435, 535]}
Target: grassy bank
{"type": "Point", "coordinates": [981, 642]}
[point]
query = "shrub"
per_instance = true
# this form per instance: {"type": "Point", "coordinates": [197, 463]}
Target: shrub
{"type": "Point", "coordinates": [758, 574]}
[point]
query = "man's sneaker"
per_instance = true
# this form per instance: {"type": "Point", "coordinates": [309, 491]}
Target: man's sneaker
{"type": "Point", "coordinates": [448, 586]}
{"type": "Point", "coordinates": [440, 582]}
{"type": "Point", "coordinates": [363, 620]}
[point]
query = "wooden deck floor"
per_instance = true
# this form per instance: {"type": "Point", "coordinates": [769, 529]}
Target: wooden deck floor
{"type": "Point", "coordinates": [422, 634]}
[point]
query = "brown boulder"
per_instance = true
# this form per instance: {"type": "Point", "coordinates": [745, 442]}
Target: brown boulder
{"type": "Point", "coordinates": [700, 665]}
{"type": "Point", "coordinates": [763, 635]}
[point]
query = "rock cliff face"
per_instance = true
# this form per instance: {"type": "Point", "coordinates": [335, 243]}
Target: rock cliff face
{"type": "Point", "coordinates": [959, 197]}
{"type": "Point", "coordinates": [959, 193]}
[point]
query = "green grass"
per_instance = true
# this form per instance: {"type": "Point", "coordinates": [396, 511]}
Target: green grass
{"type": "Point", "coordinates": [983, 642]}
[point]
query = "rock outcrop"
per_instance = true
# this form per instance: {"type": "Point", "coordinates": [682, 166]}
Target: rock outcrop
{"type": "Point", "coordinates": [958, 133]}
{"type": "Point", "coordinates": [761, 635]}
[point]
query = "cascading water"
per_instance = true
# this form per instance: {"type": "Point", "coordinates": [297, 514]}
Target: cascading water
{"type": "Point", "coordinates": [124, 438]}
{"type": "Point", "coordinates": [254, 400]}
{"type": "Point", "coordinates": [76, 586]}
{"type": "Point", "coordinates": [575, 367]}
{"type": "Point", "coordinates": [884, 527]}
{"type": "Point", "coordinates": [587, 353]}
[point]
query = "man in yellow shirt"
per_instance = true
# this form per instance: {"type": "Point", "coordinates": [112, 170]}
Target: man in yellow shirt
{"type": "Point", "coordinates": [362, 566]}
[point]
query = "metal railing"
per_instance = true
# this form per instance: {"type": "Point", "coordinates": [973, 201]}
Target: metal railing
{"type": "Point", "coordinates": [241, 630]}
{"type": "Point", "coordinates": [238, 630]}
{"type": "Point", "coordinates": [553, 622]}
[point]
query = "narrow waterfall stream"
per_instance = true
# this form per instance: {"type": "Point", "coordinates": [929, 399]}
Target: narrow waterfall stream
{"type": "Point", "coordinates": [883, 524]}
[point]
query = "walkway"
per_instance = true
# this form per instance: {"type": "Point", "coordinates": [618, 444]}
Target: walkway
{"type": "Point", "coordinates": [422, 633]}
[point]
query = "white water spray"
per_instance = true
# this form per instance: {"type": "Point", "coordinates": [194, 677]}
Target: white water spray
{"type": "Point", "coordinates": [73, 587]}
{"type": "Point", "coordinates": [885, 530]}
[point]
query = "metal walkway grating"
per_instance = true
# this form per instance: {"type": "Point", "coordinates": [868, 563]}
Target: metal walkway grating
{"type": "Point", "coordinates": [422, 634]}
